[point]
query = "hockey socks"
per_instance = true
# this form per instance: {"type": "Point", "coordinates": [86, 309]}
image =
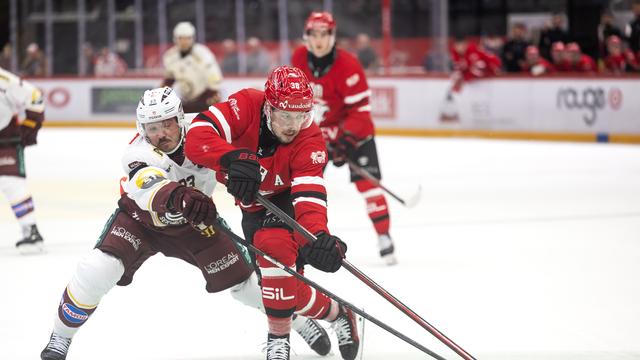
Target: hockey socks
{"type": "Point", "coordinates": [94, 277]}
{"type": "Point", "coordinates": [377, 208]}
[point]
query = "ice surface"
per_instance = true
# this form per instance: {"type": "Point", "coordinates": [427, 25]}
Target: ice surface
{"type": "Point", "coordinates": [517, 251]}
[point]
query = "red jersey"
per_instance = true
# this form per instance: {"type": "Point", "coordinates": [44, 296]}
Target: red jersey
{"type": "Point", "coordinates": [296, 167]}
{"type": "Point", "coordinates": [475, 63]}
{"type": "Point", "coordinates": [585, 64]}
{"type": "Point", "coordinates": [341, 96]}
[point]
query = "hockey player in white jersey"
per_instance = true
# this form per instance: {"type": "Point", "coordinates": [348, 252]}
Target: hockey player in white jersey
{"type": "Point", "coordinates": [192, 70]}
{"type": "Point", "coordinates": [17, 97]}
{"type": "Point", "coordinates": [165, 207]}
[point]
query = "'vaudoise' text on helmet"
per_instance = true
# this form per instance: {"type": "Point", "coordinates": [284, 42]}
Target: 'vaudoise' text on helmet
{"type": "Point", "coordinates": [288, 89]}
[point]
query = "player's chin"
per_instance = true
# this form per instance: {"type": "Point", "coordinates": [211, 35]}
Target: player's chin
{"type": "Point", "coordinates": [285, 139]}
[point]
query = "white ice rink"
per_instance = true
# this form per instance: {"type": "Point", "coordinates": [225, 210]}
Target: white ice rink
{"type": "Point", "coordinates": [517, 251]}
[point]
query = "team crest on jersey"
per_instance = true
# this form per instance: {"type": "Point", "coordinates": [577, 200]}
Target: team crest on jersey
{"type": "Point", "coordinates": [318, 157]}
{"type": "Point", "coordinates": [353, 79]}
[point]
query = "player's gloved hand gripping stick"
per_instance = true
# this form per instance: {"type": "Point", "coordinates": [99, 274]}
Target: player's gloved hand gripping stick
{"type": "Point", "coordinates": [368, 281]}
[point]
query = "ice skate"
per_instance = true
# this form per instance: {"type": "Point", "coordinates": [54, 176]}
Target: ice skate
{"type": "Point", "coordinates": [314, 334]}
{"type": "Point", "coordinates": [346, 328]}
{"type": "Point", "coordinates": [32, 243]}
{"type": "Point", "coordinates": [278, 347]}
{"type": "Point", "coordinates": [385, 244]}
{"type": "Point", "coordinates": [56, 349]}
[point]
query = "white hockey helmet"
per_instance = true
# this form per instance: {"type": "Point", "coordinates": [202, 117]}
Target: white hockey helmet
{"type": "Point", "coordinates": [157, 105]}
{"type": "Point", "coordinates": [184, 29]}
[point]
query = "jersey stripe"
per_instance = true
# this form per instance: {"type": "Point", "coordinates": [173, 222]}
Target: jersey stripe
{"type": "Point", "coordinates": [309, 199]}
{"type": "Point", "coordinates": [357, 97]}
{"type": "Point", "coordinates": [223, 121]}
{"type": "Point", "coordinates": [315, 194]}
{"type": "Point", "coordinates": [306, 180]}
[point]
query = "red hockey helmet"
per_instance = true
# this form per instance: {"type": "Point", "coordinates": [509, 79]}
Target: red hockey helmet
{"type": "Point", "coordinates": [288, 89]}
{"type": "Point", "coordinates": [320, 20]}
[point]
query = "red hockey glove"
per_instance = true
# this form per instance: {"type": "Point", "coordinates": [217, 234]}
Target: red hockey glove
{"type": "Point", "coordinates": [326, 253]}
{"type": "Point", "coordinates": [195, 206]}
{"type": "Point", "coordinates": [243, 169]}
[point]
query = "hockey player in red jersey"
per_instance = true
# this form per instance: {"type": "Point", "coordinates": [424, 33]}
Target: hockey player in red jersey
{"type": "Point", "coordinates": [579, 62]}
{"type": "Point", "coordinates": [343, 111]}
{"type": "Point", "coordinates": [165, 207]}
{"type": "Point", "coordinates": [267, 142]}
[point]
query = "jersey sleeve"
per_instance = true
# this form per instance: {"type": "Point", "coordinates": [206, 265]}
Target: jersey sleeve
{"type": "Point", "coordinates": [33, 100]}
{"type": "Point", "coordinates": [211, 132]}
{"type": "Point", "coordinates": [147, 182]}
{"type": "Point", "coordinates": [308, 193]}
{"type": "Point", "coordinates": [212, 69]}
{"type": "Point", "coordinates": [356, 94]}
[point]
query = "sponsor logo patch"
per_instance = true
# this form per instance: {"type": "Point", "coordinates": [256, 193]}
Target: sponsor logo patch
{"type": "Point", "coordinates": [318, 157]}
{"type": "Point", "coordinates": [121, 232]}
{"type": "Point", "coordinates": [223, 263]}
{"type": "Point", "coordinates": [73, 314]}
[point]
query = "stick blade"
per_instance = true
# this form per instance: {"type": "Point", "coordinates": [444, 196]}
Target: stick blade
{"type": "Point", "coordinates": [414, 199]}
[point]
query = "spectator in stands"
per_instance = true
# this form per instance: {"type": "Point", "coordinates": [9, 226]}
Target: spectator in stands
{"type": "Point", "coordinates": [551, 33]}
{"type": "Point", "coordinates": [258, 59]}
{"type": "Point", "coordinates": [534, 63]}
{"type": "Point", "coordinates": [632, 30]}
{"type": "Point", "coordinates": [35, 63]}
{"type": "Point", "coordinates": [366, 54]}
{"type": "Point", "coordinates": [579, 62]}
{"type": "Point", "coordinates": [5, 57]}
{"type": "Point", "coordinates": [513, 51]}
{"type": "Point", "coordinates": [230, 61]}
{"type": "Point", "coordinates": [619, 60]}
{"type": "Point", "coordinates": [559, 57]}
{"type": "Point", "coordinates": [89, 60]}
{"type": "Point", "coordinates": [109, 64]}
{"type": "Point", "coordinates": [606, 28]}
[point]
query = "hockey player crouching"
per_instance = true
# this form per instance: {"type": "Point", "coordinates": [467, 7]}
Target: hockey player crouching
{"type": "Point", "coordinates": [267, 141]}
{"type": "Point", "coordinates": [164, 196]}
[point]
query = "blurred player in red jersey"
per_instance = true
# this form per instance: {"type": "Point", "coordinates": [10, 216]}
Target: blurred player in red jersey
{"type": "Point", "coordinates": [579, 62]}
{"type": "Point", "coordinates": [619, 60]}
{"type": "Point", "coordinates": [534, 63]}
{"type": "Point", "coordinates": [266, 141]}
{"type": "Point", "coordinates": [470, 62]}
{"type": "Point", "coordinates": [343, 111]}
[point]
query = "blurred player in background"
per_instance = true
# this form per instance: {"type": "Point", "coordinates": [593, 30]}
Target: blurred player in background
{"type": "Point", "coordinates": [165, 207]}
{"type": "Point", "coordinates": [18, 96]}
{"type": "Point", "coordinates": [266, 141]}
{"type": "Point", "coordinates": [470, 62]}
{"type": "Point", "coordinates": [192, 70]}
{"type": "Point", "coordinates": [535, 64]}
{"type": "Point", "coordinates": [343, 111]}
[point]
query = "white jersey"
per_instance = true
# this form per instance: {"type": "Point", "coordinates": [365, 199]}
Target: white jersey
{"type": "Point", "coordinates": [195, 73]}
{"type": "Point", "coordinates": [155, 169]}
{"type": "Point", "coordinates": [17, 95]}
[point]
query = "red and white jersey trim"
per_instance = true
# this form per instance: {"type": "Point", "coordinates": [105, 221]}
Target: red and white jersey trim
{"type": "Point", "coordinates": [307, 180]}
{"type": "Point", "coordinates": [357, 97]}
{"type": "Point", "coordinates": [309, 199]}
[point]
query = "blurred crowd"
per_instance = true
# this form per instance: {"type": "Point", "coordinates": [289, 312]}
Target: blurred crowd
{"type": "Point", "coordinates": [536, 51]}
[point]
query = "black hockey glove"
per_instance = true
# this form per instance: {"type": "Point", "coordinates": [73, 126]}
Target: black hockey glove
{"type": "Point", "coordinates": [243, 169]}
{"type": "Point", "coordinates": [195, 206]}
{"type": "Point", "coordinates": [347, 145]}
{"type": "Point", "coordinates": [326, 253]}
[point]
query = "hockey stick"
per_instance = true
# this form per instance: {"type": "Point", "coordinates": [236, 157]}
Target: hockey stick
{"type": "Point", "coordinates": [222, 226]}
{"type": "Point", "coordinates": [368, 281]}
{"type": "Point", "coordinates": [411, 202]}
